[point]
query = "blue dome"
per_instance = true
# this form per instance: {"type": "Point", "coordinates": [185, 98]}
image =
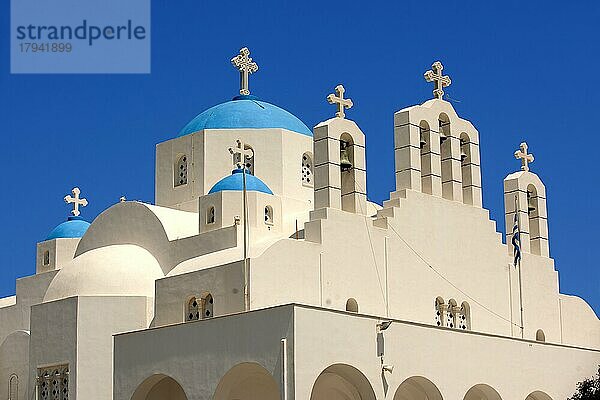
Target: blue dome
{"type": "Point", "coordinates": [235, 181]}
{"type": "Point", "coordinates": [74, 227]}
{"type": "Point", "coordinates": [245, 112]}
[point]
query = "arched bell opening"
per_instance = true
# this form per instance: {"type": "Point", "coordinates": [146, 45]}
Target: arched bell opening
{"type": "Point", "coordinates": [347, 171]}
{"type": "Point", "coordinates": [533, 214]}
{"type": "Point", "coordinates": [467, 168]}
{"type": "Point", "coordinates": [446, 155]}
{"type": "Point", "coordinates": [425, 142]}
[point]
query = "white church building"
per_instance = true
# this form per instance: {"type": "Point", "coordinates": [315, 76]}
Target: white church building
{"type": "Point", "coordinates": [263, 272]}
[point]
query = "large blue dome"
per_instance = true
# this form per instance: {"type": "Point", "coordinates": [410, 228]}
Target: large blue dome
{"type": "Point", "coordinates": [74, 227]}
{"type": "Point", "coordinates": [235, 181]}
{"type": "Point", "coordinates": [245, 112]}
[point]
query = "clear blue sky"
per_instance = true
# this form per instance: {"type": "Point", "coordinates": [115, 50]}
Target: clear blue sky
{"type": "Point", "coordinates": [519, 70]}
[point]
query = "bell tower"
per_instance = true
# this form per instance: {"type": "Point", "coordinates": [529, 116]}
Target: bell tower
{"type": "Point", "coordinates": [525, 195]}
{"type": "Point", "coordinates": [340, 167]}
{"type": "Point", "coordinates": [437, 151]}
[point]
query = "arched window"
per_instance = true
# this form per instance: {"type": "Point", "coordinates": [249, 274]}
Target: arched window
{"type": "Point", "coordinates": [269, 215]}
{"type": "Point", "coordinates": [307, 170]}
{"type": "Point", "coordinates": [451, 314]}
{"type": "Point", "coordinates": [46, 260]}
{"type": "Point", "coordinates": [210, 215]}
{"type": "Point", "coordinates": [464, 317]}
{"type": "Point", "coordinates": [193, 310]}
{"type": "Point", "coordinates": [352, 305]}
{"type": "Point", "coordinates": [347, 170]}
{"type": "Point", "coordinates": [426, 157]}
{"type": "Point", "coordinates": [440, 308]}
{"type": "Point", "coordinates": [180, 171]}
{"type": "Point", "coordinates": [540, 336]}
{"type": "Point", "coordinates": [13, 387]}
{"type": "Point", "coordinates": [446, 156]}
{"type": "Point", "coordinates": [207, 306]}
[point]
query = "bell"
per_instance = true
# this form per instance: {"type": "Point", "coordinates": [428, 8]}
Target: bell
{"type": "Point", "coordinates": [463, 155]}
{"type": "Point", "coordinates": [530, 203]}
{"type": "Point", "coordinates": [345, 163]}
{"type": "Point", "coordinates": [422, 143]}
{"type": "Point", "coordinates": [443, 137]}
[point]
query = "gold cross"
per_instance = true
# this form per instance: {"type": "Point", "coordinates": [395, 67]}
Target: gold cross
{"type": "Point", "coordinates": [340, 101]}
{"type": "Point", "coordinates": [240, 152]}
{"type": "Point", "coordinates": [76, 201]}
{"type": "Point", "coordinates": [525, 157]}
{"type": "Point", "coordinates": [439, 81]}
{"type": "Point", "coordinates": [243, 62]}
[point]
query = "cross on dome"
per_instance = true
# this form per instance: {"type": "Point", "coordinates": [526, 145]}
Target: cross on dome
{"type": "Point", "coordinates": [340, 101]}
{"type": "Point", "coordinates": [525, 157]}
{"type": "Point", "coordinates": [243, 62]}
{"type": "Point", "coordinates": [239, 153]}
{"type": "Point", "coordinates": [76, 201]}
{"type": "Point", "coordinates": [439, 80]}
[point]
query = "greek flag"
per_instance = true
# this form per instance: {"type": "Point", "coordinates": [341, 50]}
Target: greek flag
{"type": "Point", "coordinates": [516, 239]}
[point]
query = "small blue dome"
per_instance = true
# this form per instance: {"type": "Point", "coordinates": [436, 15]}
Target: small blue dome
{"type": "Point", "coordinates": [235, 181]}
{"type": "Point", "coordinates": [74, 227]}
{"type": "Point", "coordinates": [245, 112]}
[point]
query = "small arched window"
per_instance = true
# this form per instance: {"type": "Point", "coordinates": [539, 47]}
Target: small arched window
{"type": "Point", "coordinates": [307, 170]}
{"type": "Point", "coordinates": [540, 336]}
{"type": "Point", "coordinates": [352, 305]}
{"type": "Point", "coordinates": [13, 387]}
{"type": "Point", "coordinates": [180, 171]}
{"type": "Point", "coordinates": [269, 215]}
{"type": "Point", "coordinates": [207, 306]}
{"type": "Point", "coordinates": [193, 310]}
{"type": "Point", "coordinates": [440, 308]}
{"type": "Point", "coordinates": [451, 314]}
{"type": "Point", "coordinates": [464, 317]}
{"type": "Point", "coordinates": [46, 260]}
{"type": "Point", "coordinates": [210, 215]}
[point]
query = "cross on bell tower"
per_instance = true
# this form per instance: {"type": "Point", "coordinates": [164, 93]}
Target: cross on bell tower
{"type": "Point", "coordinates": [525, 157]}
{"type": "Point", "coordinates": [340, 101]}
{"type": "Point", "coordinates": [243, 62]}
{"type": "Point", "coordinates": [439, 80]}
{"type": "Point", "coordinates": [76, 201]}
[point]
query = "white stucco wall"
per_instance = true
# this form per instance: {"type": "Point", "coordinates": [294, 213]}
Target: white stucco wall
{"type": "Point", "coordinates": [14, 360]}
{"type": "Point", "coordinates": [198, 355]}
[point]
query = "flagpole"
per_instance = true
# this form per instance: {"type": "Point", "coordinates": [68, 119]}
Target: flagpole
{"type": "Point", "coordinates": [519, 266]}
{"type": "Point", "coordinates": [246, 272]}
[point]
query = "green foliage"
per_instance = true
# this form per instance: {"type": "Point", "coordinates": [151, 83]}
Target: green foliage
{"type": "Point", "coordinates": [588, 389]}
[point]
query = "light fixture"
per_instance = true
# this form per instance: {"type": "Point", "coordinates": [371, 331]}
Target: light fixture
{"type": "Point", "coordinates": [383, 325]}
{"type": "Point", "coordinates": [387, 368]}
